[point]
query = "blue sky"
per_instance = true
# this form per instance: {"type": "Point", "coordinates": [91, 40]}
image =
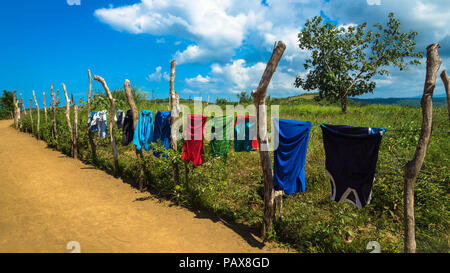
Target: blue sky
{"type": "Point", "coordinates": [221, 47]}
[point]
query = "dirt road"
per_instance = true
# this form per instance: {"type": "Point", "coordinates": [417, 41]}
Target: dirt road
{"type": "Point", "coordinates": [48, 199]}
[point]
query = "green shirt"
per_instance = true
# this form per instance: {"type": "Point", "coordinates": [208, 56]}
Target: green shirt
{"type": "Point", "coordinates": [221, 134]}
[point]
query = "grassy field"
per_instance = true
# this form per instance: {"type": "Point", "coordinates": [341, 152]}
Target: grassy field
{"type": "Point", "coordinates": [232, 188]}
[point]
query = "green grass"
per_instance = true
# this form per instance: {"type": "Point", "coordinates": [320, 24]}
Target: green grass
{"type": "Point", "coordinates": [311, 222]}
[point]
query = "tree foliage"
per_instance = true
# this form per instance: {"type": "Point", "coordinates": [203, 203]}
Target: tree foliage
{"type": "Point", "coordinates": [6, 105]}
{"type": "Point", "coordinates": [244, 98]}
{"type": "Point", "coordinates": [344, 60]}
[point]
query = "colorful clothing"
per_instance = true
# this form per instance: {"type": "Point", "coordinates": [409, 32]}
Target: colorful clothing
{"type": "Point", "coordinates": [119, 118]}
{"type": "Point", "coordinates": [143, 134]}
{"type": "Point", "coordinates": [351, 160]}
{"type": "Point", "coordinates": [98, 123]}
{"type": "Point", "coordinates": [127, 128]}
{"type": "Point", "coordinates": [290, 156]}
{"type": "Point", "coordinates": [221, 133]}
{"type": "Point", "coordinates": [245, 134]}
{"type": "Point", "coordinates": [193, 145]}
{"type": "Point", "coordinates": [162, 131]}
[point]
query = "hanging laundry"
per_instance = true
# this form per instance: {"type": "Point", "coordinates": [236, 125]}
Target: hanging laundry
{"type": "Point", "coordinates": [245, 134]}
{"type": "Point", "coordinates": [97, 123]}
{"type": "Point", "coordinates": [193, 145]}
{"type": "Point", "coordinates": [290, 156]}
{"type": "Point", "coordinates": [351, 159]}
{"type": "Point", "coordinates": [162, 130]}
{"type": "Point", "coordinates": [221, 130]}
{"type": "Point", "coordinates": [91, 123]}
{"type": "Point", "coordinates": [119, 118]}
{"type": "Point", "coordinates": [143, 134]}
{"type": "Point", "coordinates": [127, 128]}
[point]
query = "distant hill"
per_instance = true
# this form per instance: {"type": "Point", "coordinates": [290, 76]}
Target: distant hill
{"type": "Point", "coordinates": [437, 101]}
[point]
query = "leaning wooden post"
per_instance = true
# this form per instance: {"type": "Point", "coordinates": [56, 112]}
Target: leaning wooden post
{"type": "Point", "coordinates": [55, 135]}
{"type": "Point", "coordinates": [69, 125]}
{"type": "Point", "coordinates": [174, 115]}
{"type": "Point", "coordinates": [413, 167]}
{"type": "Point", "coordinates": [446, 80]}
{"type": "Point", "coordinates": [31, 118]}
{"type": "Point", "coordinates": [111, 123]}
{"type": "Point", "coordinates": [38, 116]}
{"type": "Point", "coordinates": [135, 114]}
{"type": "Point", "coordinates": [90, 134]}
{"type": "Point", "coordinates": [17, 112]}
{"type": "Point", "coordinates": [259, 99]}
{"type": "Point", "coordinates": [23, 108]}
{"type": "Point", "coordinates": [75, 128]}
{"type": "Point", "coordinates": [23, 105]}
{"type": "Point", "coordinates": [45, 111]}
{"type": "Point", "coordinates": [16, 120]}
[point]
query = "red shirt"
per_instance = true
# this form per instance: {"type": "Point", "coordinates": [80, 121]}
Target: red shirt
{"type": "Point", "coordinates": [193, 145]}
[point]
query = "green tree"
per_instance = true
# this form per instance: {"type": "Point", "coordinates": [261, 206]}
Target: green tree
{"type": "Point", "coordinates": [7, 105]}
{"type": "Point", "coordinates": [243, 97]}
{"type": "Point", "coordinates": [344, 60]}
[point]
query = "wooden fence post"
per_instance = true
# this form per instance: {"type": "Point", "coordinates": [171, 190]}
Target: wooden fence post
{"type": "Point", "coordinates": [135, 115]}
{"type": "Point", "coordinates": [69, 125]}
{"type": "Point", "coordinates": [111, 123]}
{"type": "Point", "coordinates": [55, 135]}
{"type": "Point", "coordinates": [259, 99]}
{"type": "Point", "coordinates": [16, 120]}
{"type": "Point", "coordinates": [90, 134]}
{"type": "Point", "coordinates": [17, 112]}
{"type": "Point", "coordinates": [23, 105]}
{"type": "Point", "coordinates": [38, 116]}
{"type": "Point", "coordinates": [174, 115]}
{"type": "Point", "coordinates": [75, 128]}
{"type": "Point", "coordinates": [24, 112]}
{"type": "Point", "coordinates": [446, 81]}
{"type": "Point", "coordinates": [31, 119]}
{"type": "Point", "coordinates": [45, 111]}
{"type": "Point", "coordinates": [413, 167]}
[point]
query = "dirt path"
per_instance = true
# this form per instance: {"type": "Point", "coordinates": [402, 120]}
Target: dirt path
{"type": "Point", "coordinates": [48, 199]}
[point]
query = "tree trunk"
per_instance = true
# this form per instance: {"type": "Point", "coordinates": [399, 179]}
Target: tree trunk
{"type": "Point", "coordinates": [45, 112]}
{"type": "Point", "coordinates": [344, 103]}
{"type": "Point", "coordinates": [135, 114]}
{"type": "Point", "coordinates": [90, 134]}
{"type": "Point", "coordinates": [446, 81]}
{"type": "Point", "coordinates": [31, 119]}
{"type": "Point", "coordinates": [259, 99]}
{"type": "Point", "coordinates": [111, 123]}
{"type": "Point", "coordinates": [55, 135]}
{"type": "Point", "coordinates": [75, 129]}
{"type": "Point", "coordinates": [174, 115]}
{"type": "Point", "coordinates": [413, 167]}
{"type": "Point", "coordinates": [38, 116]}
{"type": "Point", "coordinates": [69, 125]}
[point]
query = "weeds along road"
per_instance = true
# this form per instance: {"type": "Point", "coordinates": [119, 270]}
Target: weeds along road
{"type": "Point", "coordinates": [48, 199]}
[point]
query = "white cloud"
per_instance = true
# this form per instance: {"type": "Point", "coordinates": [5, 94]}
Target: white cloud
{"type": "Point", "coordinates": [166, 76]}
{"type": "Point", "coordinates": [374, 2]}
{"type": "Point", "coordinates": [238, 76]}
{"type": "Point", "coordinates": [160, 41]}
{"type": "Point", "coordinates": [73, 2]}
{"type": "Point", "coordinates": [155, 76]}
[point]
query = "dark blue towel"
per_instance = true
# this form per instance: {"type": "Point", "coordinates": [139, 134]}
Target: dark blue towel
{"type": "Point", "coordinates": [290, 156]}
{"type": "Point", "coordinates": [162, 130]}
{"type": "Point", "coordinates": [351, 159]}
